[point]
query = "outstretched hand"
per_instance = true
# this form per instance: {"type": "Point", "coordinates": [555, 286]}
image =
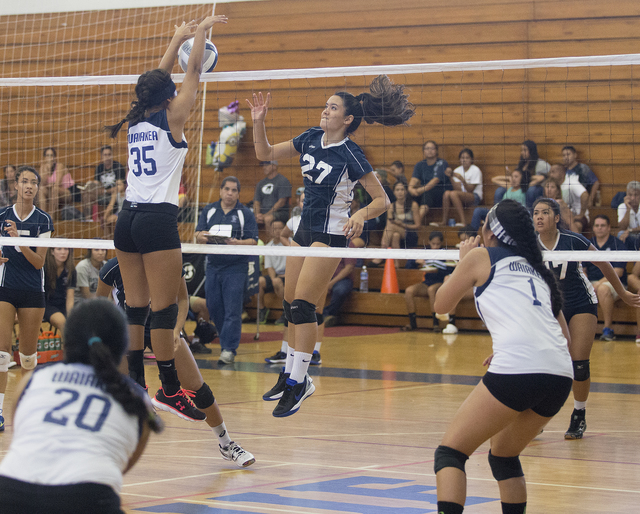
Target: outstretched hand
{"type": "Point", "coordinates": [259, 107]}
{"type": "Point", "coordinates": [210, 21]}
{"type": "Point", "coordinates": [468, 245]}
{"type": "Point", "coordinates": [185, 31]}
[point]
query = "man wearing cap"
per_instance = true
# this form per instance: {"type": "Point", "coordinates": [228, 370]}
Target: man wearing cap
{"type": "Point", "coordinates": [271, 199]}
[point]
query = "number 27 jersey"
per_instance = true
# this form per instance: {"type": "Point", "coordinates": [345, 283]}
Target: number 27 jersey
{"type": "Point", "coordinates": [330, 173]}
{"type": "Point", "coordinates": [155, 161]}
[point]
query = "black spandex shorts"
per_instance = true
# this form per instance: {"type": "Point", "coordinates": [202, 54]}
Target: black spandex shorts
{"type": "Point", "coordinates": [147, 228]}
{"type": "Point", "coordinates": [305, 237]}
{"type": "Point", "coordinates": [22, 299]}
{"type": "Point", "coordinates": [268, 288]}
{"type": "Point", "coordinates": [17, 497]}
{"type": "Point", "coordinates": [50, 310]}
{"type": "Point", "coordinates": [543, 393]}
{"type": "Point", "coordinates": [570, 311]}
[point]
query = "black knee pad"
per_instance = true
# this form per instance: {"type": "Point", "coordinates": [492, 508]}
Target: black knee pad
{"type": "Point", "coordinates": [287, 311]}
{"type": "Point", "coordinates": [165, 318]}
{"type": "Point", "coordinates": [136, 315]}
{"type": "Point", "coordinates": [581, 371]}
{"type": "Point", "coordinates": [303, 312]}
{"type": "Point", "coordinates": [446, 457]}
{"type": "Point", "coordinates": [504, 468]}
{"type": "Point", "coordinates": [319, 318]}
{"type": "Point", "coordinates": [204, 397]}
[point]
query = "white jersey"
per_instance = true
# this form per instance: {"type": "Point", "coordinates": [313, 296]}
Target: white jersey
{"type": "Point", "coordinates": [155, 161]}
{"type": "Point", "coordinates": [515, 305]}
{"type": "Point", "coordinates": [68, 430]}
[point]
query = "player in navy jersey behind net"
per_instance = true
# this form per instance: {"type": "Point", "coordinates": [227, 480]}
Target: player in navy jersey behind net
{"type": "Point", "coordinates": [146, 236]}
{"type": "Point", "coordinates": [331, 166]}
{"type": "Point", "coordinates": [22, 276]}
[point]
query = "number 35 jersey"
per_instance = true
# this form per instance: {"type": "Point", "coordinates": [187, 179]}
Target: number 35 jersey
{"type": "Point", "coordinates": [330, 173]}
{"type": "Point", "coordinates": [515, 305]}
{"type": "Point", "coordinates": [155, 161]}
{"type": "Point", "coordinates": [68, 430]}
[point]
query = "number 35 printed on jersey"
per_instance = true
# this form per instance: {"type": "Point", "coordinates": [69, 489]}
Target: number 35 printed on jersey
{"type": "Point", "coordinates": [142, 162]}
{"type": "Point", "coordinates": [322, 169]}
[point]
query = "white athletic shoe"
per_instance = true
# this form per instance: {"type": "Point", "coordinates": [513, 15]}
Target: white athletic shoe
{"type": "Point", "coordinates": [237, 454]}
{"type": "Point", "coordinates": [450, 329]}
{"type": "Point", "coordinates": [226, 357]}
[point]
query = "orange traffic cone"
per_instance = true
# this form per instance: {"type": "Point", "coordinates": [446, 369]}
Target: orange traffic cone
{"type": "Point", "coordinates": [389, 278]}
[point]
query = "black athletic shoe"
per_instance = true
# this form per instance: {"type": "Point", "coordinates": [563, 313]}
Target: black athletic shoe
{"type": "Point", "coordinates": [316, 360]}
{"type": "Point", "coordinates": [293, 396]}
{"type": "Point", "coordinates": [577, 426]}
{"type": "Point", "coordinates": [275, 393]}
{"type": "Point", "coordinates": [278, 358]}
{"type": "Point", "coordinates": [179, 404]}
{"type": "Point", "coordinates": [198, 347]}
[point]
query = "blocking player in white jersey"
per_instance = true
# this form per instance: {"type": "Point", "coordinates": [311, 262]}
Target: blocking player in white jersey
{"type": "Point", "coordinates": [22, 276]}
{"type": "Point", "coordinates": [146, 235]}
{"type": "Point", "coordinates": [331, 165]}
{"type": "Point", "coordinates": [530, 374]}
{"type": "Point", "coordinates": [79, 425]}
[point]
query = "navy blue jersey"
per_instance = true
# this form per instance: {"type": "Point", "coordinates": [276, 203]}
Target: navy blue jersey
{"type": "Point", "coordinates": [611, 245]}
{"type": "Point", "coordinates": [110, 275]}
{"type": "Point", "coordinates": [576, 288]}
{"type": "Point", "coordinates": [330, 172]}
{"type": "Point", "coordinates": [57, 297]}
{"type": "Point", "coordinates": [18, 272]}
{"type": "Point", "coordinates": [243, 226]}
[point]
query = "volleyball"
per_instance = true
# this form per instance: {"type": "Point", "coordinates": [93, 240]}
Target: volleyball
{"type": "Point", "coordinates": [209, 60]}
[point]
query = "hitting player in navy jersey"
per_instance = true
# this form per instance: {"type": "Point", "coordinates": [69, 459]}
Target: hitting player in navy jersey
{"type": "Point", "coordinates": [529, 375]}
{"type": "Point", "coordinates": [331, 164]}
{"type": "Point", "coordinates": [146, 236]}
{"type": "Point", "coordinates": [580, 301]}
{"type": "Point", "coordinates": [22, 276]}
{"type": "Point", "coordinates": [188, 372]}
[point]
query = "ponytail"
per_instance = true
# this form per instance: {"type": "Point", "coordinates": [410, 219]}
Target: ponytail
{"type": "Point", "coordinates": [518, 224]}
{"type": "Point", "coordinates": [386, 103]}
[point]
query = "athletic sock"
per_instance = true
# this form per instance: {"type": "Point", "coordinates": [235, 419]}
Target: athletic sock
{"type": "Point", "coordinates": [579, 405]}
{"type": "Point", "coordinates": [514, 508]}
{"type": "Point", "coordinates": [449, 508]}
{"type": "Point", "coordinates": [223, 436]}
{"type": "Point", "coordinates": [136, 366]}
{"type": "Point", "coordinates": [288, 365]}
{"type": "Point", "coordinates": [412, 320]}
{"type": "Point", "coordinates": [284, 346]}
{"type": "Point", "coordinates": [316, 348]}
{"type": "Point", "coordinates": [300, 366]}
{"type": "Point", "coordinates": [1, 402]}
{"type": "Point", "coordinates": [169, 377]}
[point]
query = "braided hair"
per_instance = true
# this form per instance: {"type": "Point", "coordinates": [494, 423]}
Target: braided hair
{"type": "Point", "coordinates": [518, 224]}
{"type": "Point", "coordinates": [153, 88]}
{"type": "Point", "coordinates": [386, 103]}
{"type": "Point", "coordinates": [96, 333]}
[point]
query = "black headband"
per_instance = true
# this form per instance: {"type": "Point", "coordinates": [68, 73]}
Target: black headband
{"type": "Point", "coordinates": [166, 92]}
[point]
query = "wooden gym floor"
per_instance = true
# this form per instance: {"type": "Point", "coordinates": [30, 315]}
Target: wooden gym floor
{"type": "Point", "coordinates": [364, 442]}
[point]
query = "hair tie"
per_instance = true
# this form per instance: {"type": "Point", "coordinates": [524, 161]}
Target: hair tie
{"type": "Point", "coordinates": [497, 229]}
{"type": "Point", "coordinates": [94, 339]}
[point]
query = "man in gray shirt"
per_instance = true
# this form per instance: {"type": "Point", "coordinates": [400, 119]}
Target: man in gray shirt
{"type": "Point", "coordinates": [271, 199]}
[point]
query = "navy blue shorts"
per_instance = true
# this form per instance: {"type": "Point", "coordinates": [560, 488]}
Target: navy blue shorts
{"type": "Point", "coordinates": [543, 393]}
{"type": "Point", "coordinates": [21, 299]}
{"type": "Point", "coordinates": [305, 237]}
{"type": "Point", "coordinates": [570, 311]}
{"type": "Point", "coordinates": [147, 228]}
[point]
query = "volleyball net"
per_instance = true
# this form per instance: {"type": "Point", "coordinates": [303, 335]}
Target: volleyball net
{"type": "Point", "coordinates": [64, 76]}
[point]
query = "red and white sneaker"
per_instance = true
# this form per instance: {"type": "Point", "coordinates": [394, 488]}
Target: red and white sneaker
{"type": "Point", "coordinates": [179, 404]}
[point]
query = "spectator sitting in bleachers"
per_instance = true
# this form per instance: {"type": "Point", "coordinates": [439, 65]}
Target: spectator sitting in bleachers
{"type": "Point", "coordinates": [433, 279]}
{"type": "Point", "coordinates": [58, 187]}
{"type": "Point", "coordinates": [467, 188]}
{"type": "Point", "coordinates": [586, 177]}
{"type": "Point", "coordinates": [429, 182]}
{"type": "Point", "coordinates": [534, 170]}
{"type": "Point", "coordinates": [292, 225]}
{"type": "Point", "coordinates": [273, 279]}
{"type": "Point", "coordinates": [88, 274]}
{"type": "Point", "coordinates": [514, 189]}
{"type": "Point", "coordinates": [361, 199]}
{"type": "Point", "coordinates": [403, 219]}
{"type": "Point", "coordinates": [396, 170]}
{"type": "Point", "coordinates": [340, 287]}
{"type": "Point", "coordinates": [574, 195]}
{"type": "Point", "coordinates": [607, 296]}
{"type": "Point", "coordinates": [114, 207]}
{"type": "Point", "coordinates": [8, 191]}
{"type": "Point", "coordinates": [271, 198]}
{"type": "Point", "coordinates": [629, 216]}
{"type": "Point", "coordinates": [59, 286]}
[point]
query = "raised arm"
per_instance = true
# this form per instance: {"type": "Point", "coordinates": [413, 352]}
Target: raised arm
{"type": "Point", "coordinates": [264, 150]}
{"type": "Point", "coordinates": [182, 34]}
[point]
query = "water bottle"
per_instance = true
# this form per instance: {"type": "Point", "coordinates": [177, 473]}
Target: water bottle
{"type": "Point", "coordinates": [364, 280]}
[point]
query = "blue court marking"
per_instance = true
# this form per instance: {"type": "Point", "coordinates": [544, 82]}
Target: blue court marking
{"type": "Point", "coordinates": [396, 376]}
{"type": "Point", "coordinates": [345, 486]}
